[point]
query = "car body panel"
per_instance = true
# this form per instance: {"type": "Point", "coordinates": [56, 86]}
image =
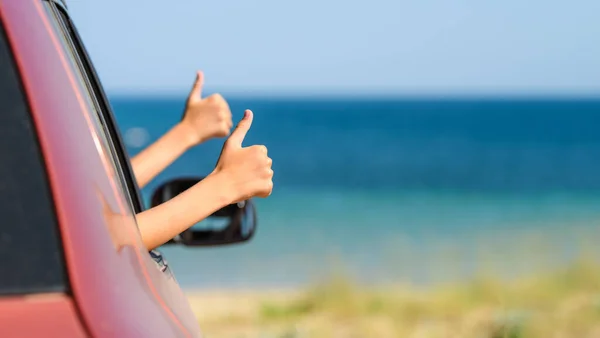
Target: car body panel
{"type": "Point", "coordinates": [38, 315]}
{"type": "Point", "coordinates": [117, 289]}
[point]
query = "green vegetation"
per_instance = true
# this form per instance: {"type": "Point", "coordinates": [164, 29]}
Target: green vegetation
{"type": "Point", "coordinates": [561, 302]}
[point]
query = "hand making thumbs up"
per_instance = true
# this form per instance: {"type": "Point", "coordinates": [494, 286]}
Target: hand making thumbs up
{"type": "Point", "coordinates": [247, 170]}
{"type": "Point", "coordinates": [205, 118]}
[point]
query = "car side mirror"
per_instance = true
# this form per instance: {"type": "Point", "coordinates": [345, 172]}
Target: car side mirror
{"type": "Point", "coordinates": [234, 223]}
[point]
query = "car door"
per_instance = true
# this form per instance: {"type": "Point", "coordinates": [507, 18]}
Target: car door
{"type": "Point", "coordinates": [159, 277]}
{"type": "Point", "coordinates": [34, 291]}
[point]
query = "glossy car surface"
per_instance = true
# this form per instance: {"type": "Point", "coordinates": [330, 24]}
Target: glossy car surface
{"type": "Point", "coordinates": [76, 265]}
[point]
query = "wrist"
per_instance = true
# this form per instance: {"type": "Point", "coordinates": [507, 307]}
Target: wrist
{"type": "Point", "coordinates": [222, 187]}
{"type": "Point", "coordinates": [187, 135]}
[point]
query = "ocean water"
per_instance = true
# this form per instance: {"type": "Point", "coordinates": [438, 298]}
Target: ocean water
{"type": "Point", "coordinates": [410, 190]}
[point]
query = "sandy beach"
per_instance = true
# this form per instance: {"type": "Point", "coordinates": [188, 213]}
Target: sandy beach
{"type": "Point", "coordinates": [564, 303]}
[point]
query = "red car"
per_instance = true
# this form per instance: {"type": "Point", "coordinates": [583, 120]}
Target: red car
{"type": "Point", "coordinates": [73, 261]}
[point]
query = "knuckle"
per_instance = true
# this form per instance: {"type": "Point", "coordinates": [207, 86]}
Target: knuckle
{"type": "Point", "coordinates": [256, 150]}
{"type": "Point", "coordinates": [226, 118]}
{"type": "Point", "coordinates": [219, 101]}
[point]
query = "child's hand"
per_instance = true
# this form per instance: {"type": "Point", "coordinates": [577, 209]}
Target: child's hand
{"type": "Point", "coordinates": [245, 171]}
{"type": "Point", "coordinates": [205, 118]}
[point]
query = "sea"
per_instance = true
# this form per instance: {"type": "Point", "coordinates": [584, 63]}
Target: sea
{"type": "Point", "coordinates": [396, 190]}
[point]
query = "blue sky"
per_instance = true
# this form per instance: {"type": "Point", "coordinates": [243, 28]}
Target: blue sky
{"type": "Point", "coordinates": [420, 47]}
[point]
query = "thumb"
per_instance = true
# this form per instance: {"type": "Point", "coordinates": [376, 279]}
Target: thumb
{"type": "Point", "coordinates": [238, 135]}
{"type": "Point", "coordinates": [197, 89]}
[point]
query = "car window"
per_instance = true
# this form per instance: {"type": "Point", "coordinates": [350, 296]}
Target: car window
{"type": "Point", "coordinates": [97, 99]}
{"type": "Point", "coordinates": [30, 246]}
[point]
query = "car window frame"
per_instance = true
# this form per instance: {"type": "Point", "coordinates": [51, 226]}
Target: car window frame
{"type": "Point", "coordinates": [84, 86]}
{"type": "Point", "coordinates": [103, 110]}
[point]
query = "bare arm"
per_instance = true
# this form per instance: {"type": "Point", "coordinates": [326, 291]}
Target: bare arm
{"type": "Point", "coordinates": [203, 119]}
{"type": "Point", "coordinates": [154, 159]}
{"type": "Point", "coordinates": [163, 222]}
{"type": "Point", "coordinates": [241, 173]}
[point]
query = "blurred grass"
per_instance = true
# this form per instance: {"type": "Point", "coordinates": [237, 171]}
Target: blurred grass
{"type": "Point", "coordinates": [543, 300]}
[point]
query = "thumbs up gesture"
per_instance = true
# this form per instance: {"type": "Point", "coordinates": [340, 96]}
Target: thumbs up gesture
{"type": "Point", "coordinates": [247, 170]}
{"type": "Point", "coordinates": [205, 118]}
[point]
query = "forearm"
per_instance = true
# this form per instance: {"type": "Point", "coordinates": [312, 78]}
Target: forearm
{"type": "Point", "coordinates": [159, 155]}
{"type": "Point", "coordinates": [163, 222]}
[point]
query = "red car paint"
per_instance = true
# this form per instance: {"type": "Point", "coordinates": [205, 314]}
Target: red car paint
{"type": "Point", "coordinates": [117, 291]}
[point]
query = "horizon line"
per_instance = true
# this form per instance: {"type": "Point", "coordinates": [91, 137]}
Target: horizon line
{"type": "Point", "coordinates": [165, 94]}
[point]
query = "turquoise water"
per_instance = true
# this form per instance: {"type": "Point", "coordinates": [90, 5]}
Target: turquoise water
{"type": "Point", "coordinates": [397, 190]}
